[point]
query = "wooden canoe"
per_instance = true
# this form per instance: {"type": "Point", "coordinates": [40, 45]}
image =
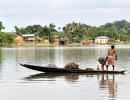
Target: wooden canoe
{"type": "Point", "coordinates": [65, 70]}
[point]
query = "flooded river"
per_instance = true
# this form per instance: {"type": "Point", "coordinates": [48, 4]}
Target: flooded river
{"type": "Point", "coordinates": [19, 83]}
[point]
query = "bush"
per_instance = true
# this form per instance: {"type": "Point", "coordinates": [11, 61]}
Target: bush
{"type": "Point", "coordinates": [6, 38]}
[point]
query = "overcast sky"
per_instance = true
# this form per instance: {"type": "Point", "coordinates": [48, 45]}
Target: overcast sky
{"type": "Point", "coordinates": [22, 13]}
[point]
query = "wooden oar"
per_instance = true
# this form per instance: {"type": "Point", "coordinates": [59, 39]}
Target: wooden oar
{"type": "Point", "coordinates": [123, 67]}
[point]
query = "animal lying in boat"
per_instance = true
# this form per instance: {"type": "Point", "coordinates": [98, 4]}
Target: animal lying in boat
{"type": "Point", "coordinates": [67, 70]}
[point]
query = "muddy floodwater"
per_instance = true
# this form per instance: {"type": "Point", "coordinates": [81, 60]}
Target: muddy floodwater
{"type": "Point", "coordinates": [19, 83]}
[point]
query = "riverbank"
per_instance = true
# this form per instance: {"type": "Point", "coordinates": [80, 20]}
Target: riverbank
{"type": "Point", "coordinates": [34, 44]}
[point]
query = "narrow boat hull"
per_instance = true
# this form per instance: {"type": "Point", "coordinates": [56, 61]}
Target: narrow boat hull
{"type": "Point", "coordinates": [64, 70]}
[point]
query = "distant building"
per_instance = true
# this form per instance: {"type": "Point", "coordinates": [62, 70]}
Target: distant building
{"type": "Point", "coordinates": [63, 41]}
{"type": "Point", "coordinates": [86, 42]}
{"type": "Point", "coordinates": [29, 37]}
{"type": "Point", "coordinates": [101, 40]}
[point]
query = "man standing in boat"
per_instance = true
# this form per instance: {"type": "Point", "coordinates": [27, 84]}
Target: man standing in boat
{"type": "Point", "coordinates": [111, 57]}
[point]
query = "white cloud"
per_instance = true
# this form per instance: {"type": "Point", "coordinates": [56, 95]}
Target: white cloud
{"type": "Point", "coordinates": [111, 10]}
{"type": "Point", "coordinates": [120, 3]}
{"type": "Point", "coordinates": [26, 12]}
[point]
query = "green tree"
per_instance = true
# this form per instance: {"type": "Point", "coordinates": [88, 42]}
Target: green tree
{"type": "Point", "coordinates": [6, 38]}
{"type": "Point", "coordinates": [1, 26]}
{"type": "Point", "coordinates": [17, 30]}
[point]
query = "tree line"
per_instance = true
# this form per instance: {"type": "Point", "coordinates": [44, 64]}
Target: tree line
{"type": "Point", "coordinates": [5, 37]}
{"type": "Point", "coordinates": [75, 32]}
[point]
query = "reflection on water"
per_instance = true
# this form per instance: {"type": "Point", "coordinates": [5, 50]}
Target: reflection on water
{"type": "Point", "coordinates": [82, 86]}
{"type": "Point", "coordinates": [105, 82]}
{"type": "Point", "coordinates": [69, 77]}
{"type": "Point", "coordinates": [60, 56]}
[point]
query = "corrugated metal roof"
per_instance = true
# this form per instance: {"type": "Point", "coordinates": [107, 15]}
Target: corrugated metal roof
{"type": "Point", "coordinates": [26, 35]}
{"type": "Point", "coordinates": [102, 37]}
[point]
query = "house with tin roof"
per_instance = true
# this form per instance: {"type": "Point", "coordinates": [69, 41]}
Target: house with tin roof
{"type": "Point", "coordinates": [29, 37]}
{"type": "Point", "coordinates": [101, 40]}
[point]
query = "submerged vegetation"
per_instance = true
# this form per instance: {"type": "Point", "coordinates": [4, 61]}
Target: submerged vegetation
{"type": "Point", "coordinates": [74, 32]}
